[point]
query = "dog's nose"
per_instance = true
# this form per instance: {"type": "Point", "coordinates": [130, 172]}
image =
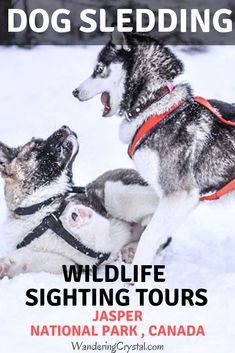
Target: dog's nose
{"type": "Point", "coordinates": [65, 127]}
{"type": "Point", "coordinates": [76, 93]}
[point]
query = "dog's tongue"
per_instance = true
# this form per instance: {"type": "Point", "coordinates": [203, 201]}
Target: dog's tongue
{"type": "Point", "coordinates": [105, 100]}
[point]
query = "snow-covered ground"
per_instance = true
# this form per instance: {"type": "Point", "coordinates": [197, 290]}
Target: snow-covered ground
{"type": "Point", "coordinates": [36, 99]}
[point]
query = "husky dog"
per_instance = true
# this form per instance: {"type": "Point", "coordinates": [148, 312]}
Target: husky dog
{"type": "Point", "coordinates": [104, 218]}
{"type": "Point", "coordinates": [189, 154]}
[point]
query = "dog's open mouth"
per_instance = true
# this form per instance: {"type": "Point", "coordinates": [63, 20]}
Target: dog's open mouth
{"type": "Point", "coordinates": [65, 144]}
{"type": "Point", "coordinates": [68, 143]}
{"type": "Point", "coordinates": [105, 100]}
{"type": "Point", "coordinates": [67, 138]}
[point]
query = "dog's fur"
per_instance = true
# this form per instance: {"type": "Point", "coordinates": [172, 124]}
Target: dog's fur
{"type": "Point", "coordinates": [42, 169]}
{"type": "Point", "coordinates": [188, 155]}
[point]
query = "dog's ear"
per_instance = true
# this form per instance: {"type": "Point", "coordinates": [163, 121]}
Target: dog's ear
{"type": "Point", "coordinates": [6, 156]}
{"type": "Point", "coordinates": [24, 150]}
{"type": "Point", "coordinates": [119, 40]}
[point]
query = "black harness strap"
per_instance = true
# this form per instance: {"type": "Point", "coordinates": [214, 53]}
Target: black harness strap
{"type": "Point", "coordinates": [78, 190]}
{"type": "Point", "coordinates": [42, 227]}
{"type": "Point", "coordinates": [56, 225]}
{"type": "Point", "coordinates": [29, 210]}
{"type": "Point", "coordinates": [53, 223]}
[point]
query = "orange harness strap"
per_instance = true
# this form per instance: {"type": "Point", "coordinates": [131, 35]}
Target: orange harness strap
{"type": "Point", "coordinates": [155, 119]}
{"type": "Point", "coordinates": [221, 192]}
{"type": "Point", "coordinates": [147, 126]}
{"type": "Point", "coordinates": [207, 105]}
{"type": "Point", "coordinates": [231, 185]}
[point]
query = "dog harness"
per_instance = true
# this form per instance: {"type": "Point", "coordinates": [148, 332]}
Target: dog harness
{"type": "Point", "coordinates": [52, 221]}
{"type": "Point", "coordinates": [155, 121]}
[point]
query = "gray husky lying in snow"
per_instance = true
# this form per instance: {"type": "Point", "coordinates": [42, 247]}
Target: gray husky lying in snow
{"type": "Point", "coordinates": [52, 223]}
{"type": "Point", "coordinates": [189, 153]}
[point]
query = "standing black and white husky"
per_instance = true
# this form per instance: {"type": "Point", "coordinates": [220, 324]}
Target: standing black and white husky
{"type": "Point", "coordinates": [187, 155]}
{"type": "Point", "coordinates": [98, 221]}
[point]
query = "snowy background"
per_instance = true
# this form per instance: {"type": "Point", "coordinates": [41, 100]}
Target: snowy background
{"type": "Point", "coordinates": [36, 99]}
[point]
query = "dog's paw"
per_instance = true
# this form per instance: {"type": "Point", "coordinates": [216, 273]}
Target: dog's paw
{"type": "Point", "coordinates": [128, 252]}
{"type": "Point", "coordinates": [5, 267]}
{"type": "Point", "coordinates": [79, 216]}
{"type": "Point", "coordinates": [10, 268]}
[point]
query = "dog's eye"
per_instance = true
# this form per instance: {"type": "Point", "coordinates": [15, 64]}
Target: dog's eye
{"type": "Point", "coordinates": [99, 68]}
{"type": "Point", "coordinates": [9, 175]}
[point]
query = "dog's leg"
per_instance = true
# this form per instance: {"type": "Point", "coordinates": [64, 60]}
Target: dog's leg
{"type": "Point", "coordinates": [171, 212]}
{"type": "Point", "coordinates": [128, 251]}
{"type": "Point", "coordinates": [26, 260]}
